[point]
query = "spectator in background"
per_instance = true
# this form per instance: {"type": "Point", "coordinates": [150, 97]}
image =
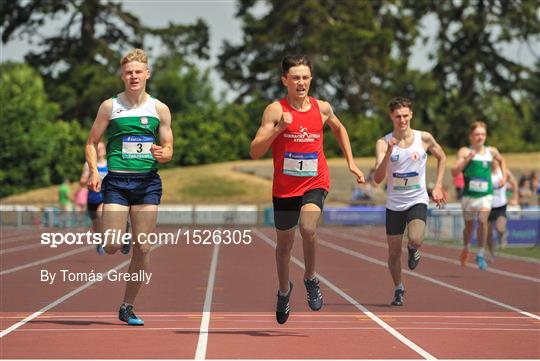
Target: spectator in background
{"type": "Point", "coordinates": [525, 191]}
{"type": "Point", "coordinates": [64, 200]}
{"type": "Point", "coordinates": [79, 197]}
{"type": "Point", "coordinates": [459, 184]}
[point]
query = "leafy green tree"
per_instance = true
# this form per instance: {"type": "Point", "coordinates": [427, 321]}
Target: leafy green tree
{"type": "Point", "coordinates": [80, 62]}
{"type": "Point", "coordinates": [353, 44]}
{"type": "Point", "coordinates": [470, 65]}
{"type": "Point", "coordinates": [36, 149]}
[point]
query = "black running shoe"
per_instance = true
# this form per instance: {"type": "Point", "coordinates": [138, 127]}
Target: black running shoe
{"type": "Point", "coordinates": [126, 314]}
{"type": "Point", "coordinates": [314, 295]}
{"type": "Point", "coordinates": [414, 257]}
{"type": "Point", "coordinates": [398, 298]}
{"type": "Point", "coordinates": [283, 308]}
{"type": "Point", "coordinates": [126, 247]}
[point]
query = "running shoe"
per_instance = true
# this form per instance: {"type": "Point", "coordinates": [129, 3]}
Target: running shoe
{"type": "Point", "coordinates": [414, 257]}
{"type": "Point", "coordinates": [464, 257]}
{"type": "Point", "coordinates": [314, 295]}
{"type": "Point", "coordinates": [100, 250]}
{"type": "Point", "coordinates": [481, 262]}
{"type": "Point", "coordinates": [283, 308]}
{"type": "Point", "coordinates": [398, 297]}
{"type": "Point", "coordinates": [126, 314]}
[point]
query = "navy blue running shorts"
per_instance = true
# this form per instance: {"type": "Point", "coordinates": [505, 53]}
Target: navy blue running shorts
{"type": "Point", "coordinates": [131, 189]}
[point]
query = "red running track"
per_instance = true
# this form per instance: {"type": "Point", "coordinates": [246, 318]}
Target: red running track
{"type": "Point", "coordinates": [449, 311]}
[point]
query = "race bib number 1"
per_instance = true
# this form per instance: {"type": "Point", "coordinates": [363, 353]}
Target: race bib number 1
{"type": "Point", "coordinates": [136, 146]}
{"type": "Point", "coordinates": [405, 181]}
{"type": "Point", "coordinates": [300, 164]}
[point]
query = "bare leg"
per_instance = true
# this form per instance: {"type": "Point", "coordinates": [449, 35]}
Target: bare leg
{"type": "Point", "coordinates": [285, 241]}
{"type": "Point", "coordinates": [415, 232]}
{"type": "Point", "coordinates": [114, 223]}
{"type": "Point", "coordinates": [143, 222]}
{"type": "Point", "coordinates": [309, 217]}
{"type": "Point", "coordinates": [394, 257]}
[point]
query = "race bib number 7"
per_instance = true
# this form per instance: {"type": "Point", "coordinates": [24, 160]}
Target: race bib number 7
{"type": "Point", "coordinates": [300, 164]}
{"type": "Point", "coordinates": [405, 181]}
{"type": "Point", "coordinates": [137, 146]}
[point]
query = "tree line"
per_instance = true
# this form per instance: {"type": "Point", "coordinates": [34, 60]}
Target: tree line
{"type": "Point", "coordinates": [361, 52]}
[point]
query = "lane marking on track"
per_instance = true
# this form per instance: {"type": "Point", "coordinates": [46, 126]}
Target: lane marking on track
{"type": "Point", "coordinates": [200, 353]}
{"type": "Point", "coordinates": [57, 302]}
{"type": "Point", "coordinates": [271, 315]}
{"type": "Point", "coordinates": [46, 260]}
{"type": "Point", "coordinates": [65, 297]}
{"type": "Point", "coordinates": [356, 304]}
{"type": "Point", "coordinates": [372, 242]}
{"type": "Point", "coordinates": [19, 248]}
{"type": "Point", "coordinates": [278, 329]}
{"type": "Point", "coordinates": [427, 278]}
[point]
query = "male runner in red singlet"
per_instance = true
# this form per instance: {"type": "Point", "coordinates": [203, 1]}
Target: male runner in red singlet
{"type": "Point", "coordinates": [293, 128]}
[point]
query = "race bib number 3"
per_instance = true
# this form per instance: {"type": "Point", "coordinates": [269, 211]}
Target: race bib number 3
{"type": "Point", "coordinates": [478, 185]}
{"type": "Point", "coordinates": [405, 181]}
{"type": "Point", "coordinates": [137, 147]}
{"type": "Point", "coordinates": [300, 164]}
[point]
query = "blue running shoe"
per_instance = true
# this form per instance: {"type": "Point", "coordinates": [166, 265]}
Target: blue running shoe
{"type": "Point", "coordinates": [127, 315]}
{"type": "Point", "coordinates": [481, 262]}
{"type": "Point", "coordinates": [100, 250]}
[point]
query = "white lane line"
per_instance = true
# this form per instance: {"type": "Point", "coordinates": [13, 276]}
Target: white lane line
{"type": "Point", "coordinates": [222, 316]}
{"type": "Point", "coordinates": [46, 260]}
{"type": "Point", "coordinates": [427, 278]}
{"type": "Point", "coordinates": [57, 302]}
{"type": "Point", "coordinates": [277, 329]}
{"type": "Point", "coordinates": [429, 255]}
{"type": "Point", "coordinates": [200, 354]}
{"type": "Point", "coordinates": [356, 304]}
{"type": "Point", "coordinates": [19, 248]}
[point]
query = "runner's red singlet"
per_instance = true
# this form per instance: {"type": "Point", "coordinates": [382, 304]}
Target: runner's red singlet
{"type": "Point", "coordinates": [299, 161]}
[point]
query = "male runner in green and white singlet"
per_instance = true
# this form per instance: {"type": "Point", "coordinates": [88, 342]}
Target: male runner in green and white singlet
{"type": "Point", "coordinates": [134, 123]}
{"type": "Point", "coordinates": [475, 163]}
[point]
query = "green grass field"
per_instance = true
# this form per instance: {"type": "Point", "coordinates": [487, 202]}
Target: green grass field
{"type": "Point", "coordinates": [250, 182]}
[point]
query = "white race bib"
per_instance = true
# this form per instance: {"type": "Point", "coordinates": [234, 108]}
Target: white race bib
{"type": "Point", "coordinates": [478, 185]}
{"type": "Point", "coordinates": [405, 181]}
{"type": "Point", "coordinates": [300, 164]}
{"type": "Point", "coordinates": [136, 146]}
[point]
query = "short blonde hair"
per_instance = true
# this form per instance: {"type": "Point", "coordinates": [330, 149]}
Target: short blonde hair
{"type": "Point", "coordinates": [477, 124]}
{"type": "Point", "coordinates": [134, 55]}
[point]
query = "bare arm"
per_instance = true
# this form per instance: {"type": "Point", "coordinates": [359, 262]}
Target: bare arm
{"type": "Point", "coordinates": [499, 158]}
{"type": "Point", "coordinates": [463, 156]}
{"type": "Point", "coordinates": [436, 150]}
{"type": "Point", "coordinates": [164, 151]}
{"type": "Point", "coordinates": [383, 150]}
{"type": "Point", "coordinates": [98, 128]}
{"type": "Point", "coordinates": [342, 137]}
{"type": "Point", "coordinates": [515, 192]}
{"type": "Point", "coordinates": [274, 121]}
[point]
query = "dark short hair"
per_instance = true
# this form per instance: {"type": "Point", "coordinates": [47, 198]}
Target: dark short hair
{"type": "Point", "coordinates": [399, 102]}
{"type": "Point", "coordinates": [294, 60]}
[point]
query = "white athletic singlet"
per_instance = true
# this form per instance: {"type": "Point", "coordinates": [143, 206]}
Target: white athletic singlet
{"type": "Point", "coordinates": [499, 193]}
{"type": "Point", "coordinates": [406, 175]}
